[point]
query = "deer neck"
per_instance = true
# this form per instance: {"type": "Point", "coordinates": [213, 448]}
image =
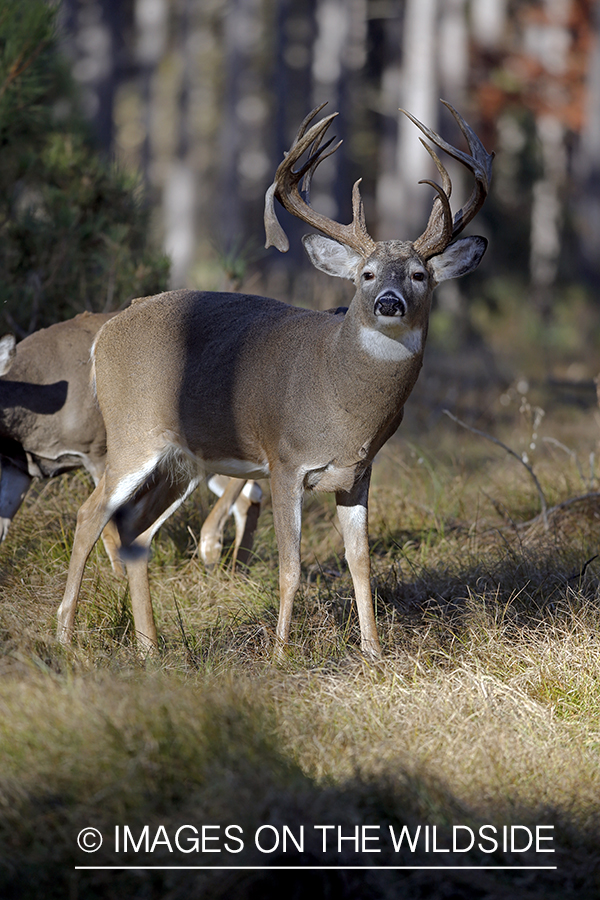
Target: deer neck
{"type": "Point", "coordinates": [381, 357]}
{"type": "Point", "coordinates": [372, 375]}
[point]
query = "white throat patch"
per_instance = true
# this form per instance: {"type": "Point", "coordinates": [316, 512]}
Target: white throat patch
{"type": "Point", "coordinates": [392, 349]}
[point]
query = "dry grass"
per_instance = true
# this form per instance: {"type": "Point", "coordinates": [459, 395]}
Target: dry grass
{"type": "Point", "coordinates": [484, 710]}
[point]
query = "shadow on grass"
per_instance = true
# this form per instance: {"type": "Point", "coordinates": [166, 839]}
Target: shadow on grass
{"type": "Point", "coordinates": [259, 812]}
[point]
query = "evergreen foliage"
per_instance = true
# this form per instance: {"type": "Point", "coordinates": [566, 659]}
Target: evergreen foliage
{"type": "Point", "coordinates": [73, 228]}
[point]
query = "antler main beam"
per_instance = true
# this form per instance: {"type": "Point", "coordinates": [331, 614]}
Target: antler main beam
{"type": "Point", "coordinates": [442, 228]}
{"type": "Point", "coordinates": [286, 187]}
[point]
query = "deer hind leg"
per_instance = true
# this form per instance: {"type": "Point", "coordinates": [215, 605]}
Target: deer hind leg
{"type": "Point", "coordinates": [138, 520]}
{"type": "Point", "coordinates": [91, 519]}
{"type": "Point", "coordinates": [139, 503]}
{"type": "Point", "coordinates": [246, 512]}
{"type": "Point", "coordinates": [211, 535]}
{"type": "Point", "coordinates": [112, 545]}
{"type": "Point", "coordinates": [353, 515]}
{"type": "Point", "coordinates": [110, 535]}
{"type": "Point", "coordinates": [14, 484]}
{"type": "Point", "coordinates": [241, 498]}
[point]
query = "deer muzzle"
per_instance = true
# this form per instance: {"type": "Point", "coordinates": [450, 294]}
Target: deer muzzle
{"type": "Point", "coordinates": [390, 304]}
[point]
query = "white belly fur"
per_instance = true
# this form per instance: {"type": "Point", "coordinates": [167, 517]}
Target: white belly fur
{"type": "Point", "coordinates": [235, 468]}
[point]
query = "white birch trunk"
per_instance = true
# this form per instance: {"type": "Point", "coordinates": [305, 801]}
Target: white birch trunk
{"type": "Point", "coordinates": [333, 23]}
{"type": "Point", "coordinates": [151, 26]}
{"type": "Point", "coordinates": [546, 211]}
{"type": "Point", "coordinates": [402, 203]}
{"type": "Point", "coordinates": [550, 43]}
{"type": "Point", "coordinates": [179, 197]}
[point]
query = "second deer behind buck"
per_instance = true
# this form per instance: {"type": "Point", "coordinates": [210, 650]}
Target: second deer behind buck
{"type": "Point", "coordinates": [192, 382]}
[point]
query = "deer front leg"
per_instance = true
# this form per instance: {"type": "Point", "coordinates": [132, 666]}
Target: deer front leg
{"type": "Point", "coordinates": [352, 510]}
{"type": "Point", "coordinates": [286, 495]}
{"type": "Point", "coordinates": [139, 589]}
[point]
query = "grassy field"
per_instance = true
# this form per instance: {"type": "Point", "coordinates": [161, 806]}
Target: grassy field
{"type": "Point", "coordinates": [484, 711]}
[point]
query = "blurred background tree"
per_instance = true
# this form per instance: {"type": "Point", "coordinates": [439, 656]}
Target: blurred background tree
{"type": "Point", "coordinates": [200, 98]}
{"type": "Point", "coordinates": [73, 226]}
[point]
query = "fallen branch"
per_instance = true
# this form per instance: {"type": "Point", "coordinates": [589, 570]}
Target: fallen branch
{"type": "Point", "coordinates": [592, 495]}
{"type": "Point", "coordinates": [509, 450]}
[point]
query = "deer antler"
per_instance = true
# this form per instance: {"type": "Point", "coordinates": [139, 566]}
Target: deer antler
{"type": "Point", "coordinates": [285, 188]}
{"type": "Point", "coordinates": [442, 228]}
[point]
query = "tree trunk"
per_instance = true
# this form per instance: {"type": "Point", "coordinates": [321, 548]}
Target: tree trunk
{"type": "Point", "coordinates": [339, 52]}
{"type": "Point", "coordinates": [587, 166]}
{"type": "Point", "coordinates": [180, 184]}
{"type": "Point", "coordinates": [402, 203]}
{"type": "Point", "coordinates": [243, 162]}
{"type": "Point", "coordinates": [93, 40]}
{"type": "Point", "coordinates": [546, 212]}
{"type": "Point", "coordinates": [151, 17]}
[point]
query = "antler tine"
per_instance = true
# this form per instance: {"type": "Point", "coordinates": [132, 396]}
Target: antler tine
{"type": "Point", "coordinates": [479, 162]}
{"type": "Point", "coordinates": [314, 135]}
{"type": "Point", "coordinates": [446, 183]}
{"type": "Point", "coordinates": [478, 151]}
{"type": "Point", "coordinates": [358, 210]}
{"type": "Point", "coordinates": [286, 188]}
{"type": "Point", "coordinates": [317, 156]}
{"type": "Point", "coordinates": [275, 235]}
{"type": "Point", "coordinates": [438, 232]}
{"type": "Point", "coordinates": [307, 120]}
{"type": "Point", "coordinates": [316, 143]}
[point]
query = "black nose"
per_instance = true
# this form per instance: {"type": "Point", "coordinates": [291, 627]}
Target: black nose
{"type": "Point", "coordinates": [390, 304]}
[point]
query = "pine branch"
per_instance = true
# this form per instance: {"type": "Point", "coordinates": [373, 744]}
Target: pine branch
{"type": "Point", "coordinates": [17, 68]}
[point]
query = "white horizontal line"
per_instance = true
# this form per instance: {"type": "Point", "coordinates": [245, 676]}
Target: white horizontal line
{"type": "Point", "coordinates": [319, 868]}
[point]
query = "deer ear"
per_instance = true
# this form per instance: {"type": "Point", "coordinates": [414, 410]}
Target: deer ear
{"type": "Point", "coordinates": [7, 352]}
{"type": "Point", "coordinates": [461, 257]}
{"type": "Point", "coordinates": [332, 257]}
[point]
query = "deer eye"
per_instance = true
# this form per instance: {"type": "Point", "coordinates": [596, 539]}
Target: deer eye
{"type": "Point", "coordinates": [368, 275]}
{"type": "Point", "coordinates": [418, 276]}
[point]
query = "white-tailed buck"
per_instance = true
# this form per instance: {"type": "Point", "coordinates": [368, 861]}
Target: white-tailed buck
{"type": "Point", "coordinates": [191, 383]}
{"type": "Point", "coordinates": [50, 423]}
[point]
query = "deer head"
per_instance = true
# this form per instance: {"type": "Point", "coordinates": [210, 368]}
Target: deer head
{"type": "Point", "coordinates": [394, 279]}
